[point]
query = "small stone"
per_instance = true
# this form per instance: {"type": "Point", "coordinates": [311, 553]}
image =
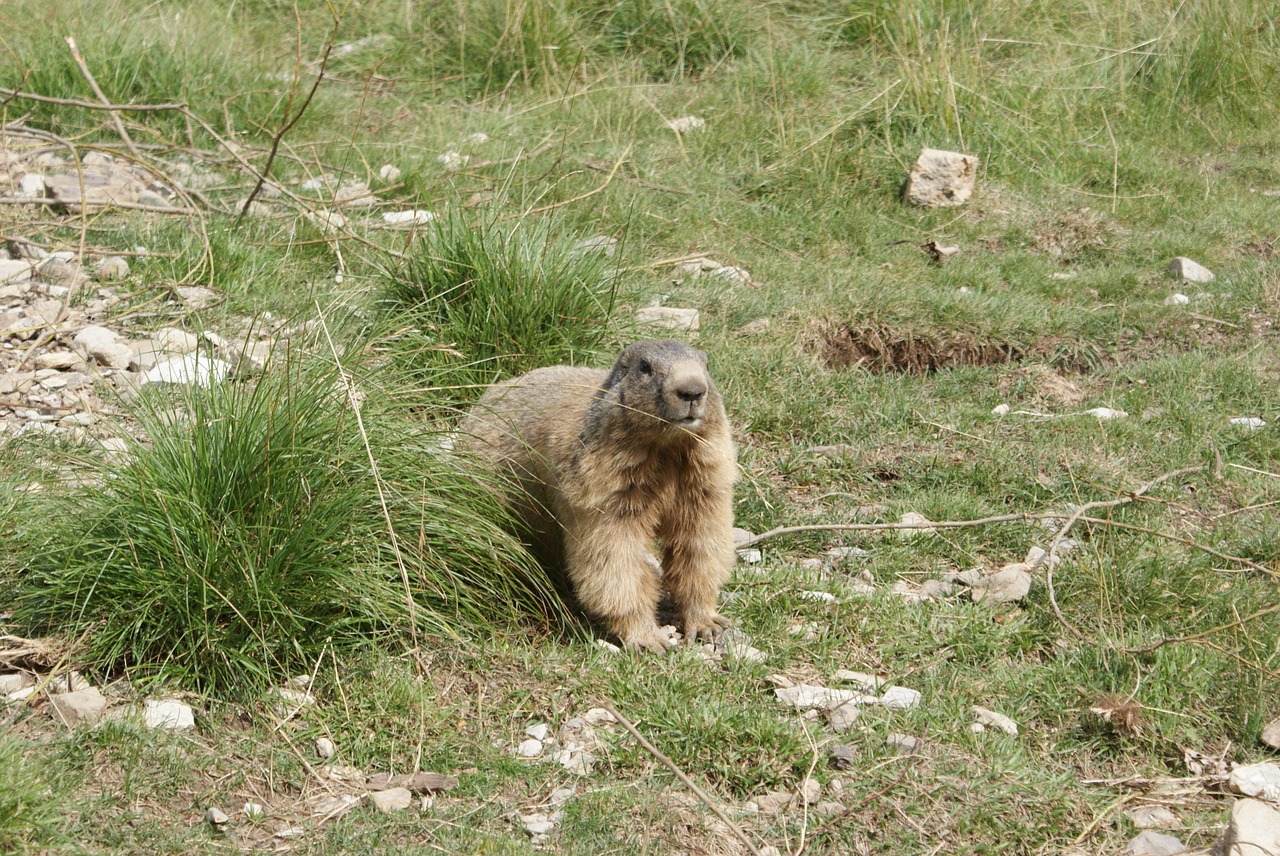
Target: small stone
{"type": "Point", "coordinates": [12, 682]}
{"type": "Point", "coordinates": [1154, 844]}
{"type": "Point", "coordinates": [453, 161]}
{"type": "Point", "coordinates": [417, 783]}
{"type": "Point", "coordinates": [1257, 780]}
{"type": "Point", "coordinates": [325, 747]}
{"type": "Point", "coordinates": [902, 744]}
{"type": "Point", "coordinates": [1000, 410]}
{"type": "Point", "coordinates": [816, 596]}
{"type": "Point", "coordinates": [287, 832]}
{"type": "Point", "coordinates": [914, 524]}
{"type": "Point", "coordinates": [20, 695]}
{"type": "Point", "coordinates": [844, 716]}
{"type": "Point", "coordinates": [687, 124]}
{"type": "Point", "coordinates": [328, 222]}
{"type": "Point", "coordinates": [560, 796]}
{"type": "Point", "coordinates": [530, 748]}
{"type": "Point", "coordinates": [970, 576]}
{"type": "Point", "coordinates": [598, 716]}
{"type": "Point", "coordinates": [807, 697]}
{"type": "Point", "coordinates": [900, 698]}
{"type": "Point", "coordinates": [575, 759]}
{"type": "Point", "coordinates": [1250, 422]}
{"type": "Point", "coordinates": [389, 172]}
{"type": "Point", "coordinates": [13, 271]}
{"type": "Point", "coordinates": [478, 138]}
{"type": "Point", "coordinates": [60, 360]}
{"type": "Point", "coordinates": [669, 317]}
{"type": "Point", "coordinates": [983, 716]}
{"type": "Point", "coordinates": [866, 682]}
{"type": "Point", "coordinates": [841, 757]}
{"type": "Point", "coordinates": [539, 823]}
{"type": "Point", "coordinates": [773, 802]}
{"type": "Point", "coordinates": [413, 217]}
{"type": "Point", "coordinates": [254, 811]}
{"type": "Point", "coordinates": [538, 731]}
{"type": "Point", "coordinates": [111, 269]}
{"type": "Point", "coordinates": [215, 816]}
{"type": "Point", "coordinates": [1035, 557]}
{"type": "Point", "coordinates": [1153, 817]}
{"type": "Point", "coordinates": [754, 328]}
{"type": "Point", "coordinates": [1254, 830]}
{"type": "Point", "coordinates": [741, 536]}
{"type": "Point", "coordinates": [392, 799]}
{"type": "Point", "coordinates": [750, 556]}
{"type": "Point", "coordinates": [810, 791]}
{"type": "Point", "coordinates": [328, 807]}
{"type": "Point", "coordinates": [941, 178]}
{"type": "Point", "coordinates": [1189, 271]}
{"type": "Point", "coordinates": [843, 554]}
{"type": "Point", "coordinates": [173, 715]}
{"type": "Point", "coordinates": [1106, 414]}
{"type": "Point", "coordinates": [1177, 300]}
{"type": "Point", "coordinates": [1007, 585]}
{"type": "Point", "coordinates": [1271, 734]}
{"type": "Point", "coordinates": [196, 296]}
{"type": "Point", "coordinates": [69, 682]}
{"type": "Point", "coordinates": [194, 369]}
{"type": "Point", "coordinates": [103, 346]}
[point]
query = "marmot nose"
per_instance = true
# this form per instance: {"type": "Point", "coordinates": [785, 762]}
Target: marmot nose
{"type": "Point", "coordinates": [691, 393]}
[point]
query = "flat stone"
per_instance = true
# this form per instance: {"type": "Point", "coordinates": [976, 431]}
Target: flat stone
{"type": "Point", "coordinates": [1254, 830]}
{"type": "Point", "coordinates": [83, 707]}
{"type": "Point", "coordinates": [169, 714]}
{"type": "Point", "coordinates": [11, 682]}
{"type": "Point", "coordinates": [419, 783]}
{"type": "Point", "coordinates": [111, 269]}
{"type": "Point", "coordinates": [899, 698]}
{"type": "Point", "coordinates": [902, 744]}
{"type": "Point", "coordinates": [773, 802]}
{"type": "Point", "coordinates": [669, 317]}
{"type": "Point", "coordinates": [984, 717]}
{"type": "Point", "coordinates": [190, 369]}
{"type": "Point", "coordinates": [392, 799]}
{"type": "Point", "coordinates": [844, 716]}
{"type": "Point", "coordinates": [1189, 271]}
{"type": "Point", "coordinates": [1271, 734]}
{"type": "Point", "coordinates": [325, 747]}
{"type": "Point", "coordinates": [538, 731]}
{"type": "Point", "coordinates": [1154, 844]}
{"type": "Point", "coordinates": [539, 823]}
{"type": "Point", "coordinates": [13, 271]}
{"type": "Point", "coordinates": [216, 816]}
{"type": "Point", "coordinates": [941, 178]}
{"type": "Point", "coordinates": [530, 748]}
{"type": "Point", "coordinates": [103, 346]}
{"type": "Point", "coordinates": [1007, 585]}
{"type": "Point", "coordinates": [810, 791]}
{"type": "Point", "coordinates": [807, 697]}
{"type": "Point", "coordinates": [58, 360]}
{"type": "Point", "coordinates": [1153, 817]}
{"type": "Point", "coordinates": [1257, 780]}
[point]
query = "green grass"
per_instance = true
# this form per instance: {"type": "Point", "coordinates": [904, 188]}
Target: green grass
{"type": "Point", "coordinates": [1112, 137]}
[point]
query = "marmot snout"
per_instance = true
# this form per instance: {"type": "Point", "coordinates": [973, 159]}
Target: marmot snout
{"type": "Point", "coordinates": [616, 465]}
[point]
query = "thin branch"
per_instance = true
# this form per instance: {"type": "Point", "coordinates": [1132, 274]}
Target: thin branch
{"type": "Point", "coordinates": [89, 105]}
{"type": "Point", "coordinates": [97, 90]}
{"type": "Point", "coordinates": [688, 783]}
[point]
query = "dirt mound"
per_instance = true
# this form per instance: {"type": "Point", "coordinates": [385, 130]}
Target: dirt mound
{"type": "Point", "coordinates": [882, 348]}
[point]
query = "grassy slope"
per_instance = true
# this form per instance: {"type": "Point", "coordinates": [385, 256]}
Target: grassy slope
{"type": "Point", "coordinates": [1112, 136]}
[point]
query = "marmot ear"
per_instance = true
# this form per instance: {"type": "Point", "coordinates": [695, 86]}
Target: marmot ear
{"type": "Point", "coordinates": [702, 355]}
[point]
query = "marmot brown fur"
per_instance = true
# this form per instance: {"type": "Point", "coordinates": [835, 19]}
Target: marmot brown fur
{"type": "Point", "coordinates": [614, 463]}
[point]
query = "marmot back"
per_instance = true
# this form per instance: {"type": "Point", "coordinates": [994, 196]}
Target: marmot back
{"type": "Point", "coordinates": [616, 463]}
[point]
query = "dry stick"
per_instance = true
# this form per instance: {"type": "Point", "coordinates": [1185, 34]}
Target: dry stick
{"type": "Point", "coordinates": [132, 206]}
{"type": "Point", "coordinates": [671, 765]}
{"type": "Point", "coordinates": [97, 90]}
{"type": "Point", "coordinates": [288, 123]}
{"type": "Point", "coordinates": [88, 105]}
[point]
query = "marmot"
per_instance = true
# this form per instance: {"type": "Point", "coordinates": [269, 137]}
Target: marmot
{"type": "Point", "coordinates": [614, 463]}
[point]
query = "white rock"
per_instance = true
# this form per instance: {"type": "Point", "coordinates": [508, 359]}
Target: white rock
{"type": "Point", "coordinates": [32, 186]}
{"type": "Point", "coordinates": [741, 536]}
{"type": "Point", "coordinates": [103, 346]}
{"type": "Point", "coordinates": [900, 698]}
{"type": "Point", "coordinates": [729, 272]}
{"type": "Point", "coordinates": [903, 744]}
{"type": "Point", "coordinates": [325, 747]}
{"type": "Point", "coordinates": [69, 682]}
{"type": "Point", "coordinates": [772, 802]}
{"type": "Point", "coordinates": [413, 217]}
{"type": "Point", "coordinates": [12, 682]}
{"type": "Point", "coordinates": [1177, 300]}
{"type": "Point", "coordinates": [560, 796]}
{"type": "Point", "coordinates": [165, 713]}
{"type": "Point", "coordinates": [216, 816]}
{"type": "Point", "coordinates": [453, 161]}
{"type": "Point", "coordinates": [598, 716]}
{"type": "Point", "coordinates": [1000, 410]}
{"type": "Point", "coordinates": [389, 172]}
{"type": "Point", "coordinates": [20, 695]}
{"type": "Point", "coordinates": [1189, 271]}
{"type": "Point", "coordinates": [1257, 780]}
{"type": "Point", "coordinates": [13, 271]}
{"type": "Point", "coordinates": [1106, 413]}
{"type": "Point", "coordinates": [110, 269]}
{"type": "Point", "coordinates": [808, 697]}
{"type": "Point", "coordinates": [687, 124]}
{"type": "Point", "coordinates": [1035, 557]}
{"type": "Point", "coordinates": [575, 759]}
{"type": "Point", "coordinates": [984, 717]}
{"type": "Point", "coordinates": [1153, 817]}
{"type": "Point", "coordinates": [195, 296]}
{"type": "Point", "coordinates": [538, 731]}
{"type": "Point", "coordinates": [843, 716]}
{"type": "Point", "coordinates": [539, 823]}
{"type": "Point", "coordinates": [1271, 734]}
{"type": "Point", "coordinates": [392, 799]}
{"type": "Point", "coordinates": [1254, 830]}
{"type": "Point", "coordinates": [1252, 422]}
{"type": "Point", "coordinates": [1154, 844]}
{"type": "Point", "coordinates": [750, 556]}
{"type": "Point", "coordinates": [816, 596]}
{"type": "Point", "coordinates": [197, 369]}
{"type": "Point", "coordinates": [669, 317]}
{"type": "Point", "coordinates": [530, 748]}
{"type": "Point", "coordinates": [253, 811]}
{"type": "Point", "coordinates": [1007, 585]}
{"type": "Point", "coordinates": [840, 554]}
{"type": "Point", "coordinates": [810, 791]}
{"type": "Point", "coordinates": [866, 682]}
{"type": "Point", "coordinates": [327, 221]}
{"type": "Point", "coordinates": [941, 178]}
{"type": "Point", "coordinates": [920, 525]}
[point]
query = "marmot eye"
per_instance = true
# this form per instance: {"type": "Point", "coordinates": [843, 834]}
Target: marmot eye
{"type": "Point", "coordinates": [645, 367]}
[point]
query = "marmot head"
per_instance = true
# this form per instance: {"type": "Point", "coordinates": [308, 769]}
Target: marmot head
{"type": "Point", "coordinates": [663, 385]}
